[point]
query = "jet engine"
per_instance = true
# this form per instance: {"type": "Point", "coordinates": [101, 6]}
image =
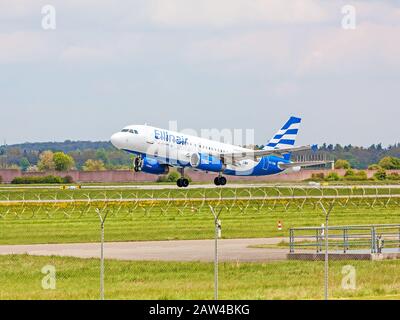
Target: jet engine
{"type": "Point", "coordinates": [206, 162]}
{"type": "Point", "coordinates": [151, 165]}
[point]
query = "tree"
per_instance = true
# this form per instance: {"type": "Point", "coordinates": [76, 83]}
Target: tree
{"type": "Point", "coordinates": [101, 154]}
{"type": "Point", "coordinates": [374, 167]}
{"type": "Point", "coordinates": [342, 164]}
{"type": "Point", "coordinates": [63, 162]}
{"type": "Point", "coordinates": [94, 165]}
{"type": "Point", "coordinates": [24, 164]}
{"type": "Point", "coordinates": [46, 161]}
{"type": "Point", "coordinates": [390, 163]}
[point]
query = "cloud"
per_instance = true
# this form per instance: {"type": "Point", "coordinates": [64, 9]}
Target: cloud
{"type": "Point", "coordinates": [368, 47]}
{"type": "Point", "coordinates": [24, 47]}
{"type": "Point", "coordinates": [225, 13]}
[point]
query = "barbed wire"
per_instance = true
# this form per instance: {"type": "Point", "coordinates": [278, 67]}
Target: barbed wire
{"type": "Point", "coordinates": [149, 202]}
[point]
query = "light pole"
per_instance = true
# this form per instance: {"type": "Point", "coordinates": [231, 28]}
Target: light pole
{"type": "Point", "coordinates": [102, 221]}
{"type": "Point", "coordinates": [217, 224]}
{"type": "Point", "coordinates": [326, 276]}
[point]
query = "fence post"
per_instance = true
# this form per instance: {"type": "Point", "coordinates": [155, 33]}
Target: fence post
{"type": "Point", "coordinates": [399, 238]}
{"type": "Point", "coordinates": [326, 277]}
{"type": "Point", "coordinates": [316, 240]}
{"type": "Point", "coordinates": [291, 240]}
{"type": "Point", "coordinates": [102, 221]}
{"type": "Point", "coordinates": [373, 238]}
{"type": "Point", "coordinates": [217, 228]}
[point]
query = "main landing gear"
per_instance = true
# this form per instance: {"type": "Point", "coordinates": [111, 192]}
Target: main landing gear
{"type": "Point", "coordinates": [182, 182]}
{"type": "Point", "coordinates": [220, 181]}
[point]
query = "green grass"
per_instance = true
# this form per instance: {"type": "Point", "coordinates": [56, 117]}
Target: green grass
{"type": "Point", "coordinates": [99, 193]}
{"type": "Point", "coordinates": [20, 278]}
{"type": "Point", "coordinates": [54, 227]}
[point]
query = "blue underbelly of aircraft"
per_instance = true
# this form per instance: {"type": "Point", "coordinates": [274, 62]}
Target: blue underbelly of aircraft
{"type": "Point", "coordinates": [266, 166]}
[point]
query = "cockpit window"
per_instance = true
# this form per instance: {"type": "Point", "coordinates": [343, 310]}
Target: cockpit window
{"type": "Point", "coordinates": [130, 131]}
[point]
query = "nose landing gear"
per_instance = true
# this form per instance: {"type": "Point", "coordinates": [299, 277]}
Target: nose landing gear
{"type": "Point", "coordinates": [137, 164]}
{"type": "Point", "coordinates": [220, 181]}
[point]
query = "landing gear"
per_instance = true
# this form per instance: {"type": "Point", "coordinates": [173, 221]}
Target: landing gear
{"type": "Point", "coordinates": [182, 182]}
{"type": "Point", "coordinates": [137, 164]}
{"type": "Point", "coordinates": [220, 181]}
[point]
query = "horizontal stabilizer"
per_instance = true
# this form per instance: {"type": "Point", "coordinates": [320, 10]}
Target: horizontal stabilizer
{"type": "Point", "coordinates": [254, 154]}
{"type": "Point", "coordinates": [301, 164]}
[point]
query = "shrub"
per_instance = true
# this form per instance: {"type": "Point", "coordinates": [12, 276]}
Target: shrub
{"type": "Point", "coordinates": [342, 164]}
{"type": "Point", "coordinates": [38, 180]}
{"type": "Point", "coordinates": [380, 174]}
{"type": "Point", "coordinates": [332, 176]}
{"type": "Point", "coordinates": [172, 177]}
{"type": "Point", "coordinates": [355, 176]}
{"type": "Point", "coordinates": [318, 176]}
{"type": "Point", "coordinates": [68, 180]}
{"type": "Point", "coordinates": [393, 176]}
{"type": "Point", "coordinates": [163, 178]}
{"type": "Point", "coordinates": [1, 179]}
{"type": "Point", "coordinates": [360, 176]}
{"type": "Point", "coordinates": [390, 163]}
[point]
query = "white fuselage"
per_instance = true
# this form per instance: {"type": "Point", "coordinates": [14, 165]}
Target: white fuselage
{"type": "Point", "coordinates": [174, 146]}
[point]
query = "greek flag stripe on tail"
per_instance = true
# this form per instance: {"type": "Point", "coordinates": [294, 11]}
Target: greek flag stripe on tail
{"type": "Point", "coordinates": [285, 137]}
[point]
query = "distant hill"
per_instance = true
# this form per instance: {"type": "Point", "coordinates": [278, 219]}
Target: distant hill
{"type": "Point", "coordinates": [66, 146]}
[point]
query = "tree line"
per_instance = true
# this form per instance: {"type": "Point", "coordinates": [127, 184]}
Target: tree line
{"type": "Point", "coordinates": [102, 155]}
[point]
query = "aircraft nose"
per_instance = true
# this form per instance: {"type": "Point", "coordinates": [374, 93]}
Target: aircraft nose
{"type": "Point", "coordinates": [117, 140]}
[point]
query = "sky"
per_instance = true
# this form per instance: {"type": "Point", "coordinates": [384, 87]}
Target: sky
{"type": "Point", "coordinates": [225, 64]}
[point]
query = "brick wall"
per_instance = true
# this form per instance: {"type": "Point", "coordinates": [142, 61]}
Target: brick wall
{"type": "Point", "coordinates": [114, 176]}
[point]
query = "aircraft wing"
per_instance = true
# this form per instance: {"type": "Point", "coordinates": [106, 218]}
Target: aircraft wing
{"type": "Point", "coordinates": [254, 154]}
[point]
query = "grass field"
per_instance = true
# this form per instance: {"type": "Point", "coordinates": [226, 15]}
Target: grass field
{"type": "Point", "coordinates": [174, 225]}
{"type": "Point", "coordinates": [21, 278]}
{"type": "Point", "coordinates": [43, 193]}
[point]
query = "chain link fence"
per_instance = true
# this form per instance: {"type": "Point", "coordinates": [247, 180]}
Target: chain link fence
{"type": "Point", "coordinates": [63, 231]}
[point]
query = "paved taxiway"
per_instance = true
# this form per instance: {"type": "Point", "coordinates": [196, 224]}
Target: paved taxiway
{"type": "Point", "coordinates": [176, 250]}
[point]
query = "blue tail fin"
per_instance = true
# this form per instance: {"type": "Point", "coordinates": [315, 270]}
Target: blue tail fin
{"type": "Point", "coordinates": [286, 137]}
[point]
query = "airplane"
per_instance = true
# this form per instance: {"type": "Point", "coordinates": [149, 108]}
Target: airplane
{"type": "Point", "coordinates": [156, 150]}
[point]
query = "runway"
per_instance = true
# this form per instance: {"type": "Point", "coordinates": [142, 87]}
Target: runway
{"type": "Point", "coordinates": [177, 250]}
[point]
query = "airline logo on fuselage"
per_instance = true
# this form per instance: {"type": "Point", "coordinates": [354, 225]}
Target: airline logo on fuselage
{"type": "Point", "coordinates": [166, 136]}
